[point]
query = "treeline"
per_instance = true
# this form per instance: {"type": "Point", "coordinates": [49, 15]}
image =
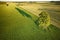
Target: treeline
{"type": "Point", "coordinates": [56, 2]}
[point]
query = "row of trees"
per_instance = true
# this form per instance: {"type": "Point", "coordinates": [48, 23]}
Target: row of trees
{"type": "Point", "coordinates": [56, 2]}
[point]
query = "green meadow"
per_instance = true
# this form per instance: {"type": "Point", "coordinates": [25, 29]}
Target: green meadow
{"type": "Point", "coordinates": [19, 24]}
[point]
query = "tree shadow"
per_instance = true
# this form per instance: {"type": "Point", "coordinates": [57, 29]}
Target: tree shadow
{"type": "Point", "coordinates": [23, 13]}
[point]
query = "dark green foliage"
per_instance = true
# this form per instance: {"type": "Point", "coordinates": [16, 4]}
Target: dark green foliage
{"type": "Point", "coordinates": [43, 19]}
{"type": "Point", "coordinates": [56, 2]}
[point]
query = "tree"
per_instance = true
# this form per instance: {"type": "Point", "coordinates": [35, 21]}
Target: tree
{"type": "Point", "coordinates": [43, 20]}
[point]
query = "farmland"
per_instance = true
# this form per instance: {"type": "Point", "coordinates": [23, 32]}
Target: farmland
{"type": "Point", "coordinates": [53, 10]}
{"type": "Point", "coordinates": [17, 22]}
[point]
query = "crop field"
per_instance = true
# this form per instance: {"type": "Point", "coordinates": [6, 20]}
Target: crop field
{"type": "Point", "coordinates": [18, 21]}
{"type": "Point", "coordinates": [53, 10]}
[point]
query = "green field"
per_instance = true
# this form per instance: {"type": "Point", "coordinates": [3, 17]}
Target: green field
{"type": "Point", "coordinates": [17, 23]}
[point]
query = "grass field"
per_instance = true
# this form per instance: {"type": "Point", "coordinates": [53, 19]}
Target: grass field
{"type": "Point", "coordinates": [15, 24]}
